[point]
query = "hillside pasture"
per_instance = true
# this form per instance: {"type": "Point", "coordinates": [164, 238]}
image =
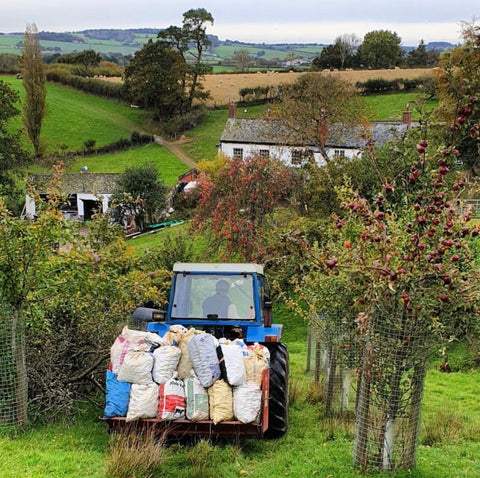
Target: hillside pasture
{"type": "Point", "coordinates": [74, 117]}
{"type": "Point", "coordinates": [168, 165]}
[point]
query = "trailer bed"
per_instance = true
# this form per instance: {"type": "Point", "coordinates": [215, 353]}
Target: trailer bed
{"type": "Point", "coordinates": [184, 428]}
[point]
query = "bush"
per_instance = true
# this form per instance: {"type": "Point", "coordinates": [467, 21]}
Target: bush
{"type": "Point", "coordinates": [68, 75]}
{"type": "Point", "coordinates": [185, 122]}
{"type": "Point", "coordinates": [9, 63]}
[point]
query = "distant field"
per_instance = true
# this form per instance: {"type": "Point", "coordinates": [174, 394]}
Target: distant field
{"type": "Point", "coordinates": [226, 87]}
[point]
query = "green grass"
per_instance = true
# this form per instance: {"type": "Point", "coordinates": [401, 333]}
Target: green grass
{"type": "Point", "coordinates": [74, 117]}
{"type": "Point", "coordinates": [390, 107]}
{"type": "Point", "coordinates": [169, 166]}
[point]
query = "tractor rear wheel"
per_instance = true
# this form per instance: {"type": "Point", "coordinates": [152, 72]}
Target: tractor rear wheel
{"type": "Point", "coordinates": [278, 401]}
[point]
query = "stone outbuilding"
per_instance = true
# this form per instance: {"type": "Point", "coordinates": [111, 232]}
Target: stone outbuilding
{"type": "Point", "coordinates": [85, 194]}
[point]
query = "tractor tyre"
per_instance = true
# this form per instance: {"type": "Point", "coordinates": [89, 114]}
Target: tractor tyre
{"type": "Point", "coordinates": [278, 400]}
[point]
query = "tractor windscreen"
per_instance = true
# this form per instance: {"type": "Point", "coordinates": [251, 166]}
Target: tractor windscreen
{"type": "Point", "coordinates": [213, 296]}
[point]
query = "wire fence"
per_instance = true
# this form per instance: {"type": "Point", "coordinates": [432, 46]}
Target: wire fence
{"type": "Point", "coordinates": [379, 376]}
{"type": "Point", "coordinates": [13, 375]}
{"type": "Point", "coordinates": [336, 358]}
{"type": "Point", "coordinates": [390, 390]}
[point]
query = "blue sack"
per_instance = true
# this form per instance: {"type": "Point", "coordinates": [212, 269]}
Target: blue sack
{"type": "Point", "coordinates": [118, 396]}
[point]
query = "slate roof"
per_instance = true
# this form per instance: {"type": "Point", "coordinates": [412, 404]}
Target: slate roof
{"type": "Point", "coordinates": [91, 183]}
{"type": "Point", "coordinates": [268, 131]}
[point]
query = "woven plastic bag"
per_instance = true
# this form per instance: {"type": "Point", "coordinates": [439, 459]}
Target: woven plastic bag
{"type": "Point", "coordinates": [220, 397]}
{"type": "Point", "coordinates": [197, 399]}
{"type": "Point", "coordinates": [171, 399]}
{"type": "Point", "coordinates": [137, 366]}
{"type": "Point", "coordinates": [202, 349]}
{"type": "Point", "coordinates": [143, 402]}
{"type": "Point", "coordinates": [247, 401]}
{"type": "Point", "coordinates": [232, 364]}
{"type": "Point", "coordinates": [117, 396]}
{"type": "Point", "coordinates": [165, 361]}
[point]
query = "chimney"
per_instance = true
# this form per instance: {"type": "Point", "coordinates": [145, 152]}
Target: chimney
{"type": "Point", "coordinates": [232, 110]}
{"type": "Point", "coordinates": [407, 116]}
{"type": "Point", "coordinates": [322, 127]}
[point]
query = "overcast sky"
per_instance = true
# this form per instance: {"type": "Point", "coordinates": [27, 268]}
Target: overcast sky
{"type": "Point", "coordinates": [269, 21]}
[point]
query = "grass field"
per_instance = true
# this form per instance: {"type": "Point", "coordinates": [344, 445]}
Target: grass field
{"type": "Point", "coordinates": [74, 117]}
{"type": "Point", "coordinates": [169, 166]}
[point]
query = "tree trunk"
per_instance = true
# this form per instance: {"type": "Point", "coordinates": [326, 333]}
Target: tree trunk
{"type": "Point", "coordinates": [330, 379]}
{"type": "Point", "coordinates": [346, 384]}
{"type": "Point", "coordinates": [309, 350]}
{"type": "Point", "coordinates": [318, 355]}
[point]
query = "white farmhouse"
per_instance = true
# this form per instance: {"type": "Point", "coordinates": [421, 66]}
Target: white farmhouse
{"type": "Point", "coordinates": [269, 137]}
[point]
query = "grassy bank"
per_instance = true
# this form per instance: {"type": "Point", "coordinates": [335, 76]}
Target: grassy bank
{"type": "Point", "coordinates": [74, 117]}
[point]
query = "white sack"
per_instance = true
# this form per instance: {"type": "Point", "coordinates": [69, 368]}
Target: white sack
{"type": "Point", "coordinates": [247, 402]}
{"type": "Point", "coordinates": [137, 366]}
{"type": "Point", "coordinates": [197, 399]}
{"type": "Point", "coordinates": [202, 349]}
{"type": "Point", "coordinates": [171, 399]}
{"type": "Point", "coordinates": [128, 340]}
{"type": "Point", "coordinates": [165, 361]}
{"type": "Point", "coordinates": [143, 402]}
{"type": "Point", "coordinates": [233, 363]}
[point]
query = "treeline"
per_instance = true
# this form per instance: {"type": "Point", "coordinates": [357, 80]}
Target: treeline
{"type": "Point", "coordinates": [258, 94]}
{"type": "Point", "coordinates": [59, 74]}
{"type": "Point", "coordinates": [123, 36]}
{"type": "Point", "coordinates": [381, 85]}
{"type": "Point", "coordinates": [63, 37]}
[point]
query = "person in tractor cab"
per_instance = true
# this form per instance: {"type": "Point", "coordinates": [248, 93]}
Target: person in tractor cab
{"type": "Point", "coordinates": [219, 304]}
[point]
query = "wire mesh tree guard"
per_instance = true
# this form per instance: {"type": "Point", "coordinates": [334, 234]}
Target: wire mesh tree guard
{"type": "Point", "coordinates": [336, 357]}
{"type": "Point", "coordinates": [13, 375]}
{"type": "Point", "coordinates": [390, 390]}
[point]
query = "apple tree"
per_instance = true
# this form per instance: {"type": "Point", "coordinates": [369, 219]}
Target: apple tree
{"type": "Point", "coordinates": [406, 258]}
{"type": "Point", "coordinates": [237, 205]}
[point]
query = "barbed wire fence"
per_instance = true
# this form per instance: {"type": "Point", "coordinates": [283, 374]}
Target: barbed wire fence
{"type": "Point", "coordinates": [13, 374]}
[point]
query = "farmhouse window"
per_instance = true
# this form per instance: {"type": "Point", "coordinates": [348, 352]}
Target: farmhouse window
{"type": "Point", "coordinates": [340, 153]}
{"type": "Point", "coordinates": [264, 153]}
{"type": "Point", "coordinates": [237, 153]}
{"type": "Point", "coordinates": [299, 156]}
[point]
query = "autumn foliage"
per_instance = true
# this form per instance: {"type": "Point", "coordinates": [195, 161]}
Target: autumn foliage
{"type": "Point", "coordinates": [237, 203]}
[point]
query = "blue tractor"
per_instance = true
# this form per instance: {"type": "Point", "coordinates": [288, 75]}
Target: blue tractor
{"type": "Point", "coordinates": [232, 301]}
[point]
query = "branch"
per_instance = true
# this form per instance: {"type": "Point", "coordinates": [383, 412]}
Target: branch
{"type": "Point", "coordinates": [90, 369]}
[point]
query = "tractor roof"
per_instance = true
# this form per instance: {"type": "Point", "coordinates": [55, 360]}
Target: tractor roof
{"type": "Point", "coordinates": [217, 267]}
